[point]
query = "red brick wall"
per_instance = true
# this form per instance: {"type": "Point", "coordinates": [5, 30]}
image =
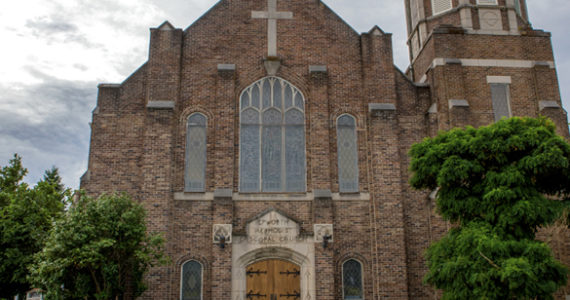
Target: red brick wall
{"type": "Point", "coordinates": [141, 150]}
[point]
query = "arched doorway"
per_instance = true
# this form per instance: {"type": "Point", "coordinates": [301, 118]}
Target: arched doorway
{"type": "Point", "coordinates": [273, 279]}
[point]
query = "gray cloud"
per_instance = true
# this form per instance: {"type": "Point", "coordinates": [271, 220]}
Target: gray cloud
{"type": "Point", "coordinates": [45, 25]}
{"type": "Point", "coordinates": [56, 29]}
{"type": "Point", "coordinates": [46, 124]}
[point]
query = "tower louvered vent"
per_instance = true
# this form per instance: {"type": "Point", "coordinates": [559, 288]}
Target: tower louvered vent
{"type": "Point", "coordinates": [487, 2]}
{"type": "Point", "coordinates": [440, 6]}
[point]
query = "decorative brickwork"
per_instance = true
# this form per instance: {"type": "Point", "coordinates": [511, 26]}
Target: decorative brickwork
{"type": "Point", "coordinates": [139, 138]}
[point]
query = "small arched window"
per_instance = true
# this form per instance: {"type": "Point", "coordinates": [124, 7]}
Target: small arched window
{"type": "Point", "coordinates": [347, 154]}
{"type": "Point", "coordinates": [352, 280]}
{"type": "Point", "coordinates": [195, 168]}
{"type": "Point", "coordinates": [272, 137]}
{"type": "Point", "coordinates": [191, 282]}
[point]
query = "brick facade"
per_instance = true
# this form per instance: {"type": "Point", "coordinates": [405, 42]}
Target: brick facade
{"type": "Point", "coordinates": [139, 134]}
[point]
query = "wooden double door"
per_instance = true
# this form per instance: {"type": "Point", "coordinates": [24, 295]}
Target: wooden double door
{"type": "Point", "coordinates": [273, 279]}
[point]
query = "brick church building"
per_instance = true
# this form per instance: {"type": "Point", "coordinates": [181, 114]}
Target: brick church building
{"type": "Point", "coordinates": [268, 142]}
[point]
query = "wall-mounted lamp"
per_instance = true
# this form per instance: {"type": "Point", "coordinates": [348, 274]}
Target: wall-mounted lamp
{"type": "Point", "coordinates": [222, 241]}
{"type": "Point", "coordinates": [222, 234]}
{"type": "Point", "coordinates": [326, 239]}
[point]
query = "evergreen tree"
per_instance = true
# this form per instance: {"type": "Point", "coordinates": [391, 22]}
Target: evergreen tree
{"type": "Point", "coordinates": [99, 250]}
{"type": "Point", "coordinates": [499, 184]}
{"type": "Point", "coordinates": [26, 216]}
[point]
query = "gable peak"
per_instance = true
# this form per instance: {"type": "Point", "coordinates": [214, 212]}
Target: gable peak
{"type": "Point", "coordinates": [376, 31]}
{"type": "Point", "coordinates": [166, 26]}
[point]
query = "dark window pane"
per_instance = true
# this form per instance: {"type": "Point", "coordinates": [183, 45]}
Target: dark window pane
{"type": "Point", "coordinates": [352, 279]}
{"type": "Point", "coordinates": [249, 158]}
{"type": "Point", "coordinates": [191, 281]}
{"type": "Point", "coordinates": [500, 96]}
{"type": "Point", "coordinates": [272, 150]}
{"type": "Point", "coordinates": [195, 170]}
{"type": "Point", "coordinates": [347, 154]}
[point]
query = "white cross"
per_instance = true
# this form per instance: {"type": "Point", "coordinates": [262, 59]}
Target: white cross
{"type": "Point", "coordinates": [272, 15]}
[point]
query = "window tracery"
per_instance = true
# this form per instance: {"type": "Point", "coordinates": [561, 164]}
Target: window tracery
{"type": "Point", "coordinates": [272, 137]}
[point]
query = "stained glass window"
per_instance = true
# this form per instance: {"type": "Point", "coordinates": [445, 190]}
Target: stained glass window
{"type": "Point", "coordinates": [191, 286]}
{"type": "Point", "coordinates": [500, 96]}
{"type": "Point", "coordinates": [195, 153]}
{"type": "Point", "coordinates": [352, 280]}
{"type": "Point", "coordinates": [272, 137]}
{"type": "Point", "coordinates": [347, 154]}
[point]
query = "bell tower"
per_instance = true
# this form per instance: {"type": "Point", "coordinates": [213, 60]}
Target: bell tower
{"type": "Point", "coordinates": [500, 17]}
{"type": "Point", "coordinates": [483, 60]}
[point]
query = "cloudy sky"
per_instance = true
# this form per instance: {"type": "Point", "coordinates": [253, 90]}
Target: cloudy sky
{"type": "Point", "coordinates": [55, 52]}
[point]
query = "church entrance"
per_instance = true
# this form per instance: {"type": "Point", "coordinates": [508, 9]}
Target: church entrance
{"type": "Point", "coordinates": [273, 279]}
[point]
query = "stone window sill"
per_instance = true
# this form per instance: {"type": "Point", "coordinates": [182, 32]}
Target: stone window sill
{"type": "Point", "coordinates": [209, 196]}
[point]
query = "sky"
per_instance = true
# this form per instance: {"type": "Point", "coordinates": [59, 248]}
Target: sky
{"type": "Point", "coordinates": [54, 53]}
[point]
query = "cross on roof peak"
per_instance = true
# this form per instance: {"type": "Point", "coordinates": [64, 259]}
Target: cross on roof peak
{"type": "Point", "coordinates": [272, 15]}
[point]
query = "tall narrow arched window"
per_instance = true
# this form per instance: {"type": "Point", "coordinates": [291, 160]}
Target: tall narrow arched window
{"type": "Point", "coordinates": [272, 137]}
{"type": "Point", "coordinates": [191, 281]}
{"type": "Point", "coordinates": [195, 168]}
{"type": "Point", "coordinates": [352, 280]}
{"type": "Point", "coordinates": [347, 154]}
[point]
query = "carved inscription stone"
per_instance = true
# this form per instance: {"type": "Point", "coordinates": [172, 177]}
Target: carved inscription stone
{"type": "Point", "coordinates": [272, 228]}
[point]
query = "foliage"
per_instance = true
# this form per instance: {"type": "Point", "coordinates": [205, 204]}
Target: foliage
{"type": "Point", "coordinates": [499, 184]}
{"type": "Point", "coordinates": [100, 250]}
{"type": "Point", "coordinates": [26, 216]}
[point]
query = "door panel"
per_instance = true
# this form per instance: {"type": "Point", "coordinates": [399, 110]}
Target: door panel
{"type": "Point", "coordinates": [259, 283]}
{"type": "Point", "coordinates": [273, 280]}
{"type": "Point", "coordinates": [287, 282]}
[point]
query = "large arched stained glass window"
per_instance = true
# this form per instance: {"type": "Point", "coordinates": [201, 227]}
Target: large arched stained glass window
{"type": "Point", "coordinates": [352, 280]}
{"type": "Point", "coordinates": [191, 285]}
{"type": "Point", "coordinates": [195, 169]}
{"type": "Point", "coordinates": [272, 137]}
{"type": "Point", "coordinates": [347, 154]}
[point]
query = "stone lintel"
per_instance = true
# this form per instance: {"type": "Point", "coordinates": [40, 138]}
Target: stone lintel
{"type": "Point", "coordinates": [160, 104]}
{"type": "Point", "coordinates": [322, 194]}
{"type": "Point", "coordinates": [499, 79]}
{"type": "Point", "coordinates": [109, 86]}
{"type": "Point", "coordinates": [458, 103]}
{"type": "Point", "coordinates": [453, 61]}
{"type": "Point", "coordinates": [317, 69]}
{"type": "Point", "coordinates": [541, 64]}
{"type": "Point", "coordinates": [547, 104]}
{"type": "Point", "coordinates": [226, 67]}
{"type": "Point", "coordinates": [223, 193]}
{"type": "Point", "coordinates": [378, 107]}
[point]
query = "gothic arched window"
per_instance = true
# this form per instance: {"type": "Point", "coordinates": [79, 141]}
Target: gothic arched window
{"type": "Point", "coordinates": [191, 281]}
{"type": "Point", "coordinates": [272, 137]}
{"type": "Point", "coordinates": [347, 154]}
{"type": "Point", "coordinates": [195, 168]}
{"type": "Point", "coordinates": [352, 280]}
